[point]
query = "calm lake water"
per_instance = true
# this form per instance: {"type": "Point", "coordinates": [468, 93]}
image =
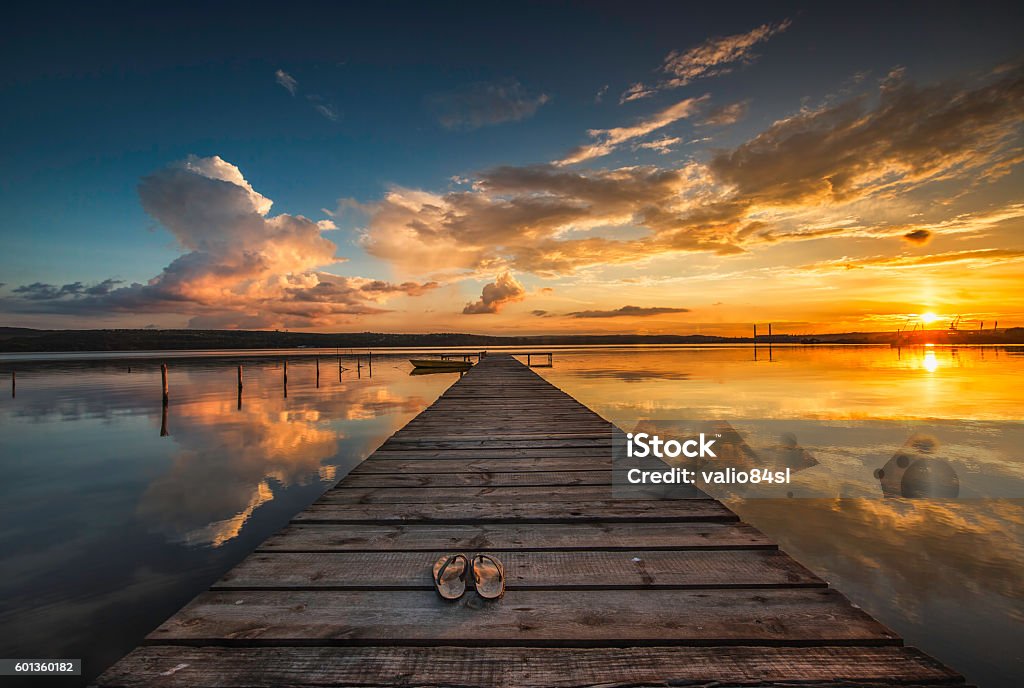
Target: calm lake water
{"type": "Point", "coordinates": [107, 526]}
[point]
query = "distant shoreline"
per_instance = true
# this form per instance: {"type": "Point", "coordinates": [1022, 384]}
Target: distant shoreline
{"type": "Point", "coordinates": [25, 340]}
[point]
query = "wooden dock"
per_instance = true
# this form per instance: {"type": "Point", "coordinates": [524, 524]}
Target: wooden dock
{"type": "Point", "coordinates": [600, 592]}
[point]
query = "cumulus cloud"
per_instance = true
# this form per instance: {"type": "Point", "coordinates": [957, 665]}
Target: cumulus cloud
{"type": "Point", "coordinates": [713, 57]}
{"type": "Point", "coordinates": [629, 312]}
{"type": "Point", "coordinates": [241, 266]}
{"type": "Point", "coordinates": [607, 140]}
{"type": "Point", "coordinates": [485, 104]}
{"type": "Point", "coordinates": [537, 218]}
{"type": "Point", "coordinates": [503, 290]}
{"type": "Point", "coordinates": [286, 80]}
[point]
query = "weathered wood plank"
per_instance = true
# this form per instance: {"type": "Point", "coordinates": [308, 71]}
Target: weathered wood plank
{"type": "Point", "coordinates": [560, 618]}
{"type": "Point", "coordinates": [375, 465]}
{"type": "Point", "coordinates": [525, 537]}
{"type": "Point", "coordinates": [639, 569]}
{"type": "Point", "coordinates": [536, 512]}
{"type": "Point", "coordinates": [470, 454]}
{"type": "Point", "coordinates": [478, 479]}
{"type": "Point", "coordinates": [493, 494]}
{"type": "Point", "coordinates": [533, 667]}
{"type": "Point", "coordinates": [484, 444]}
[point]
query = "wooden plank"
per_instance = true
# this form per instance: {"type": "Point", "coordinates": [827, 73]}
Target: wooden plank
{"type": "Point", "coordinates": [470, 453]}
{"type": "Point", "coordinates": [505, 512]}
{"type": "Point", "coordinates": [476, 444]}
{"type": "Point", "coordinates": [553, 439]}
{"type": "Point", "coordinates": [591, 570]}
{"type": "Point", "coordinates": [534, 667]}
{"type": "Point", "coordinates": [493, 494]}
{"type": "Point", "coordinates": [555, 618]}
{"type": "Point", "coordinates": [478, 479]}
{"type": "Point", "coordinates": [375, 465]}
{"type": "Point", "coordinates": [523, 537]}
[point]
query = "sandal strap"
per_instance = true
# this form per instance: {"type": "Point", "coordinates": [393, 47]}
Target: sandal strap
{"type": "Point", "coordinates": [497, 564]}
{"type": "Point", "coordinates": [449, 560]}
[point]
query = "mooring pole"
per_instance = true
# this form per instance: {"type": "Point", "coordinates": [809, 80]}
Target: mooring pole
{"type": "Point", "coordinates": [163, 378]}
{"type": "Point", "coordinates": [318, 371]}
{"type": "Point", "coordinates": [286, 378]}
{"type": "Point", "coordinates": [14, 383]}
{"type": "Point", "coordinates": [369, 361]}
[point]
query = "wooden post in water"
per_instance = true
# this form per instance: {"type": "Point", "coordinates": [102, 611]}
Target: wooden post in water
{"type": "Point", "coordinates": [369, 360]}
{"type": "Point", "coordinates": [286, 378]}
{"type": "Point", "coordinates": [163, 378]}
{"type": "Point", "coordinates": [318, 372]}
{"type": "Point", "coordinates": [14, 383]}
{"type": "Point", "coordinates": [755, 335]}
{"type": "Point", "coordinates": [239, 388]}
{"type": "Point", "coordinates": [163, 421]}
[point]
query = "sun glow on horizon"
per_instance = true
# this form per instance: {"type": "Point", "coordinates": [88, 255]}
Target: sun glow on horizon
{"type": "Point", "coordinates": [928, 318]}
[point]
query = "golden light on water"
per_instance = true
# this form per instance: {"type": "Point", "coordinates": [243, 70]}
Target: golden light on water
{"type": "Point", "coordinates": [930, 363]}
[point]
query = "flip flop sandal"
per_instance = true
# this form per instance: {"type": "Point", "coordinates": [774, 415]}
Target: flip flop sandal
{"type": "Point", "coordinates": [489, 576]}
{"type": "Point", "coordinates": [450, 576]}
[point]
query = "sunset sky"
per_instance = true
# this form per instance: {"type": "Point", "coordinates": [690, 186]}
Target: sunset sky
{"type": "Point", "coordinates": [528, 168]}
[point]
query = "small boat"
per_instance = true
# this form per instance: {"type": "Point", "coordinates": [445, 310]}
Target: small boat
{"type": "Point", "coordinates": [440, 364]}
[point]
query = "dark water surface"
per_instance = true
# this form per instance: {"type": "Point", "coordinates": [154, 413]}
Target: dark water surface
{"type": "Point", "coordinates": [107, 527]}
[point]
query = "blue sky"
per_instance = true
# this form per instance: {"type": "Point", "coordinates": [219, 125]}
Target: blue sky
{"type": "Point", "coordinates": [97, 97]}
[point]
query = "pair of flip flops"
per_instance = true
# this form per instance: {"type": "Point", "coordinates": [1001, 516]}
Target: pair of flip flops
{"type": "Point", "coordinates": [451, 572]}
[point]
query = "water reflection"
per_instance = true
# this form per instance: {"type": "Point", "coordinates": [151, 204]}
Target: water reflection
{"type": "Point", "coordinates": [946, 574]}
{"type": "Point", "coordinates": [118, 509]}
{"type": "Point", "coordinates": [109, 525]}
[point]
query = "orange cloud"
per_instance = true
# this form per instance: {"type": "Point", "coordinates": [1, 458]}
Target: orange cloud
{"type": "Point", "coordinates": [713, 57]}
{"type": "Point", "coordinates": [610, 139]}
{"type": "Point", "coordinates": [538, 218]}
{"type": "Point", "coordinates": [503, 290]}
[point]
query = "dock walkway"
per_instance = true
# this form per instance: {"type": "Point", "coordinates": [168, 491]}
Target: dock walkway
{"type": "Point", "coordinates": [601, 592]}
